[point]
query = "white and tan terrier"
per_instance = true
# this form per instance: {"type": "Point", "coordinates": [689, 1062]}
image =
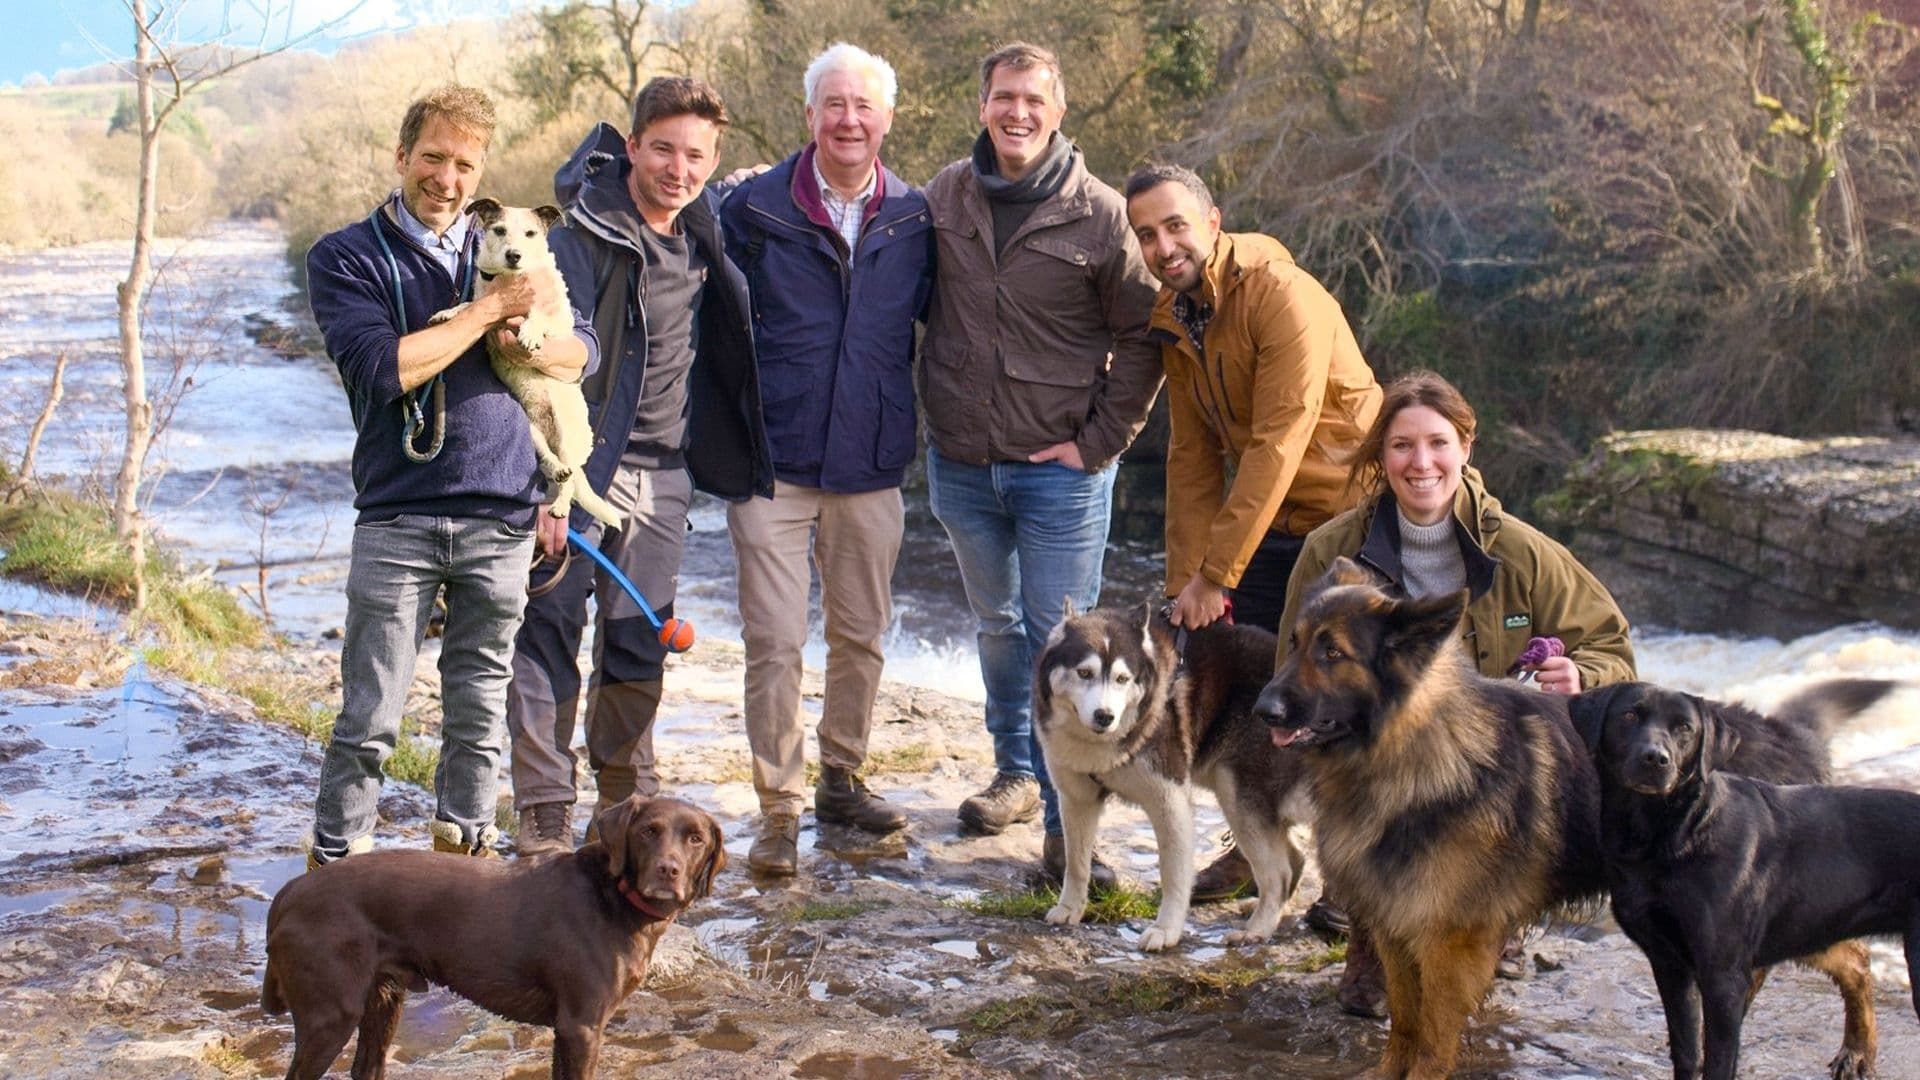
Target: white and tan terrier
{"type": "Point", "coordinates": [513, 240]}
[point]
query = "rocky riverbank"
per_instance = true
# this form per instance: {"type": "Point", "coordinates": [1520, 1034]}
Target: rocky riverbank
{"type": "Point", "coordinates": [1746, 532]}
{"type": "Point", "coordinates": [145, 823]}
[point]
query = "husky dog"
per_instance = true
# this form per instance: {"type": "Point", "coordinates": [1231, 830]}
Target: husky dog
{"type": "Point", "coordinates": [1125, 704]}
{"type": "Point", "coordinates": [514, 240]}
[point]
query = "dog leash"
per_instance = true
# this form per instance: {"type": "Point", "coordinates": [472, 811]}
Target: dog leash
{"type": "Point", "coordinates": [434, 387]}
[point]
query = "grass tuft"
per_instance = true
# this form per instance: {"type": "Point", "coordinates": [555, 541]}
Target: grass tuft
{"type": "Point", "coordinates": [830, 910]}
{"type": "Point", "coordinates": [1115, 906]}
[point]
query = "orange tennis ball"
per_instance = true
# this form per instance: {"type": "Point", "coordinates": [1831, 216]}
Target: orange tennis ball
{"type": "Point", "coordinates": [676, 635]}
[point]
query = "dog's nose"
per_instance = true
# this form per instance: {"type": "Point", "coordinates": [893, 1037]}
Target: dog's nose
{"type": "Point", "coordinates": [1269, 709]}
{"type": "Point", "coordinates": [513, 258]}
{"type": "Point", "coordinates": [1102, 719]}
{"type": "Point", "coordinates": [1655, 757]}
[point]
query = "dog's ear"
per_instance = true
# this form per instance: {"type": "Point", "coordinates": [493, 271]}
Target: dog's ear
{"type": "Point", "coordinates": [1418, 629]}
{"type": "Point", "coordinates": [1067, 610]}
{"type": "Point", "coordinates": [486, 210]}
{"type": "Point", "coordinates": [716, 860]}
{"type": "Point", "coordinates": [1345, 571]}
{"type": "Point", "coordinates": [612, 827]}
{"type": "Point", "coordinates": [549, 215]}
{"type": "Point", "coordinates": [1592, 711]}
{"type": "Point", "coordinates": [1718, 740]}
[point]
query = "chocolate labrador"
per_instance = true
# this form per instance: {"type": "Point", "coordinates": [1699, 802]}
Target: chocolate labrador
{"type": "Point", "coordinates": [1717, 876]}
{"type": "Point", "coordinates": [559, 940]}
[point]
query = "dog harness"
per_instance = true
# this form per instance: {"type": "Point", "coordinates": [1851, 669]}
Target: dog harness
{"type": "Point", "coordinates": [416, 416]}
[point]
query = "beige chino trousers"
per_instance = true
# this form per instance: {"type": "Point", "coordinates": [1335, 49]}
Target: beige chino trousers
{"type": "Point", "coordinates": [853, 542]}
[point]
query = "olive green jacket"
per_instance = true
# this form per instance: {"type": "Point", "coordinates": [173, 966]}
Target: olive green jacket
{"type": "Point", "coordinates": [1522, 583]}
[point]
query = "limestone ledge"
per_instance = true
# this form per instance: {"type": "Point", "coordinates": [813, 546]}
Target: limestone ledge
{"type": "Point", "coordinates": [1740, 531]}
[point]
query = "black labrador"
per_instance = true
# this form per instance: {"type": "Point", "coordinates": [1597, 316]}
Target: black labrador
{"type": "Point", "coordinates": [1717, 876]}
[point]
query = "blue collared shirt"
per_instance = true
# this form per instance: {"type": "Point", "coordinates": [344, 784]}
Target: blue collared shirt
{"type": "Point", "coordinates": [445, 249]}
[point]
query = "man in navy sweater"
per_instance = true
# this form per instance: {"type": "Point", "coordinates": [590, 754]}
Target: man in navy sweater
{"type": "Point", "coordinates": [444, 477]}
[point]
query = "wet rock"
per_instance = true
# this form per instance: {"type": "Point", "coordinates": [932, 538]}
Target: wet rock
{"type": "Point", "coordinates": [210, 871]}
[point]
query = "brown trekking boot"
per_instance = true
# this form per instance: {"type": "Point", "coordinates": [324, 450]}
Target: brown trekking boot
{"type": "Point", "coordinates": [1053, 867]}
{"type": "Point", "coordinates": [359, 845]}
{"type": "Point", "coordinates": [545, 829]}
{"type": "Point", "coordinates": [1363, 985]}
{"type": "Point", "coordinates": [842, 797]}
{"type": "Point", "coordinates": [777, 851]}
{"type": "Point", "coordinates": [1007, 800]}
{"type": "Point", "coordinates": [1229, 877]}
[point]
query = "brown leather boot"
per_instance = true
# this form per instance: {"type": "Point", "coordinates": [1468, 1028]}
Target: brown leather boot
{"type": "Point", "coordinates": [1363, 985]}
{"type": "Point", "coordinates": [544, 829]}
{"type": "Point", "coordinates": [842, 797]}
{"type": "Point", "coordinates": [1229, 877]}
{"type": "Point", "coordinates": [1053, 867]}
{"type": "Point", "coordinates": [1007, 800]}
{"type": "Point", "coordinates": [776, 852]}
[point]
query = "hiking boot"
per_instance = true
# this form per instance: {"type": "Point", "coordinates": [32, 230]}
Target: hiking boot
{"type": "Point", "coordinates": [1363, 985]}
{"type": "Point", "coordinates": [359, 845]}
{"type": "Point", "coordinates": [448, 837]}
{"type": "Point", "coordinates": [1325, 917]}
{"type": "Point", "coordinates": [545, 829]}
{"type": "Point", "coordinates": [842, 797]}
{"type": "Point", "coordinates": [777, 852]}
{"type": "Point", "coordinates": [1053, 867]}
{"type": "Point", "coordinates": [1229, 877]}
{"type": "Point", "coordinates": [1008, 799]}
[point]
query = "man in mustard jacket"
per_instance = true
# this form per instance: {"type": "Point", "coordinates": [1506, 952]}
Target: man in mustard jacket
{"type": "Point", "coordinates": [1263, 373]}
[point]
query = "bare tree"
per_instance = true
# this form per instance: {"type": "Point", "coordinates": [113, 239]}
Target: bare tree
{"type": "Point", "coordinates": [23, 479]}
{"type": "Point", "coordinates": [165, 72]}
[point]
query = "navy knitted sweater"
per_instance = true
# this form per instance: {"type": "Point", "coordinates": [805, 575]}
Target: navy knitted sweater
{"type": "Point", "coordinates": [486, 466]}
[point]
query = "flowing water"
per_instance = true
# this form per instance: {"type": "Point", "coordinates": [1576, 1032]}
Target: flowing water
{"type": "Point", "coordinates": [253, 480]}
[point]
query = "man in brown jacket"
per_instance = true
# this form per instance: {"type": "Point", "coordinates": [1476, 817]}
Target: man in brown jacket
{"type": "Point", "coordinates": [1036, 372]}
{"type": "Point", "coordinates": [1263, 373]}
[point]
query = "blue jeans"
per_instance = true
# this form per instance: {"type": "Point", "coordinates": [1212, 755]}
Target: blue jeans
{"type": "Point", "coordinates": [1026, 537]}
{"type": "Point", "coordinates": [397, 567]}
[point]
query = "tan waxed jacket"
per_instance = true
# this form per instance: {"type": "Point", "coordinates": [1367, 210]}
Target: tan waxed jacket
{"type": "Point", "coordinates": [1522, 582]}
{"type": "Point", "coordinates": [1044, 343]}
{"type": "Point", "coordinates": [1283, 397]}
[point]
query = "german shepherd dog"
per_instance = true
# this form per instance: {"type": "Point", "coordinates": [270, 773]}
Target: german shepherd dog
{"type": "Point", "coordinates": [1453, 808]}
{"type": "Point", "coordinates": [1124, 706]}
{"type": "Point", "coordinates": [1450, 808]}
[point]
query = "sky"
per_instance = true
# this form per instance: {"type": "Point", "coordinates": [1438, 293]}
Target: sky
{"type": "Point", "coordinates": [49, 36]}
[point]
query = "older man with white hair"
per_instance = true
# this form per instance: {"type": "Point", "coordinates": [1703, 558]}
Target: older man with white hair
{"type": "Point", "coordinates": [838, 252]}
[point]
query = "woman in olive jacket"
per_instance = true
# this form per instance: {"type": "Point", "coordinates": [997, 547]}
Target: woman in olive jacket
{"type": "Point", "coordinates": [1522, 583]}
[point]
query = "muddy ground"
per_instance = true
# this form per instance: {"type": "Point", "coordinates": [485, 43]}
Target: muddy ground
{"type": "Point", "coordinates": [146, 823]}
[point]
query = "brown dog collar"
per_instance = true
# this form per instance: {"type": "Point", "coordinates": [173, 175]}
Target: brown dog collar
{"type": "Point", "coordinates": [641, 903]}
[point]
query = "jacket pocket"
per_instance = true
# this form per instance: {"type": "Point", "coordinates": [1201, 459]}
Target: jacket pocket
{"type": "Point", "coordinates": [1049, 399]}
{"type": "Point", "coordinates": [894, 437]}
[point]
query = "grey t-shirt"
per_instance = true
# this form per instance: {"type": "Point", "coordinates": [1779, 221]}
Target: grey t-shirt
{"type": "Point", "coordinates": [671, 284]}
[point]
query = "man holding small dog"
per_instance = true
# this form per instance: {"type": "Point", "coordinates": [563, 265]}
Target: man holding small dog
{"type": "Point", "coordinates": [839, 251]}
{"type": "Point", "coordinates": [1038, 373]}
{"type": "Point", "coordinates": [444, 476]}
{"type": "Point", "coordinates": [1263, 372]}
{"type": "Point", "coordinates": [674, 404]}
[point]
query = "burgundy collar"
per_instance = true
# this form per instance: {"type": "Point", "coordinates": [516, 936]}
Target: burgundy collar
{"type": "Point", "coordinates": [641, 903]}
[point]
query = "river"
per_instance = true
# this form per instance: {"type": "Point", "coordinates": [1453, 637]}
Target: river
{"type": "Point", "coordinates": [253, 469]}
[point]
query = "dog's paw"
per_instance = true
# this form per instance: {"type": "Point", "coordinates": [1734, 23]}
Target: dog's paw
{"type": "Point", "coordinates": [443, 315]}
{"type": "Point", "coordinates": [1062, 915]}
{"type": "Point", "coordinates": [1246, 937]}
{"type": "Point", "coordinates": [1159, 939]}
{"type": "Point", "coordinates": [1851, 1065]}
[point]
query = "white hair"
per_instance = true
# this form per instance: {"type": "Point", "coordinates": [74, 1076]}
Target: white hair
{"type": "Point", "coordinates": [841, 56]}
